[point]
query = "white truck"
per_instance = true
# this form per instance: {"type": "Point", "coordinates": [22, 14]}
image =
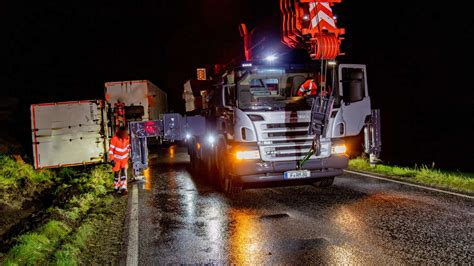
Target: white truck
{"type": "Point", "coordinates": [257, 126]}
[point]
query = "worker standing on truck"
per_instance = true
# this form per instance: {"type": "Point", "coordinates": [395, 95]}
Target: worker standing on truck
{"type": "Point", "coordinates": [119, 151]}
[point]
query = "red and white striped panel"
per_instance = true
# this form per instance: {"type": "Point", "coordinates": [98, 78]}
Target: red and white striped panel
{"type": "Point", "coordinates": [322, 17]}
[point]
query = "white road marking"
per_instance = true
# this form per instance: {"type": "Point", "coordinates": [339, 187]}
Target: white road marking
{"type": "Point", "coordinates": [132, 248]}
{"type": "Point", "coordinates": [410, 184]}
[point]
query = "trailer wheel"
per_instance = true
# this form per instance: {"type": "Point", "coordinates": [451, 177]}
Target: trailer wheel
{"type": "Point", "coordinates": [326, 182]}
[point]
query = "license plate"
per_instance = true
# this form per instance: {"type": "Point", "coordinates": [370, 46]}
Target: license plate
{"type": "Point", "coordinates": [297, 174]}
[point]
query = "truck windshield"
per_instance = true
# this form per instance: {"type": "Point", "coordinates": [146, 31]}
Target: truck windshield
{"type": "Point", "coordinates": [272, 92]}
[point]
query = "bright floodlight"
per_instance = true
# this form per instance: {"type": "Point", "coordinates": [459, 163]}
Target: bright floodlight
{"type": "Point", "coordinates": [332, 63]}
{"type": "Point", "coordinates": [211, 139]}
{"type": "Point", "coordinates": [188, 136]}
{"type": "Point", "coordinates": [271, 58]}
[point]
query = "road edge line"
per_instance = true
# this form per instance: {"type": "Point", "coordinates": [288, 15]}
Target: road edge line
{"type": "Point", "coordinates": [410, 184]}
{"type": "Point", "coordinates": [132, 246]}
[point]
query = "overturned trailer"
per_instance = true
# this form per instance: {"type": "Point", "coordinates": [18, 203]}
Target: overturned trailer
{"type": "Point", "coordinates": [78, 132]}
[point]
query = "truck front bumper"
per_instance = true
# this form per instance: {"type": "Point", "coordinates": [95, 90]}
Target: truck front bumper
{"type": "Point", "coordinates": [260, 171]}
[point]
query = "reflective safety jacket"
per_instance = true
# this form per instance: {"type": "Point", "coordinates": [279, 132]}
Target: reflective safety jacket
{"type": "Point", "coordinates": [119, 149]}
{"type": "Point", "coordinates": [308, 88]}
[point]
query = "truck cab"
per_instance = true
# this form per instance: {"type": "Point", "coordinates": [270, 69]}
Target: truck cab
{"type": "Point", "coordinates": [257, 126]}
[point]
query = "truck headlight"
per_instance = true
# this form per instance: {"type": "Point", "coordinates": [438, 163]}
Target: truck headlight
{"type": "Point", "coordinates": [339, 149]}
{"type": "Point", "coordinates": [211, 139]}
{"type": "Point", "coordinates": [247, 155]}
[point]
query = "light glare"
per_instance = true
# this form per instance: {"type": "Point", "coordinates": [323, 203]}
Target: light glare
{"type": "Point", "coordinates": [211, 139]}
{"type": "Point", "coordinates": [271, 58]}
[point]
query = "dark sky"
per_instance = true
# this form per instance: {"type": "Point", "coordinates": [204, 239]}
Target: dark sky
{"type": "Point", "coordinates": [418, 55]}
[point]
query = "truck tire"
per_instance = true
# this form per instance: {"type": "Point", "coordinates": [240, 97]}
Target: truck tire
{"type": "Point", "coordinates": [211, 172]}
{"type": "Point", "coordinates": [191, 161]}
{"type": "Point", "coordinates": [194, 161]}
{"type": "Point", "coordinates": [326, 182]}
{"type": "Point", "coordinates": [201, 169]}
{"type": "Point", "coordinates": [226, 184]}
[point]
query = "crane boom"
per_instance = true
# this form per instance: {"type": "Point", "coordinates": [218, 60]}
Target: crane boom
{"type": "Point", "coordinates": [310, 24]}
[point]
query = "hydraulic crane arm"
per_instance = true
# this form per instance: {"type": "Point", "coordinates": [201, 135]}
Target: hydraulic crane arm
{"type": "Point", "coordinates": [310, 24]}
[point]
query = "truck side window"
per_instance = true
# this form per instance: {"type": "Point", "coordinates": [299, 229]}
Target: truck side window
{"type": "Point", "coordinates": [353, 85]}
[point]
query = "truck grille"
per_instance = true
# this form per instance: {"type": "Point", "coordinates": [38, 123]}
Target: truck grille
{"type": "Point", "coordinates": [287, 141]}
{"type": "Point", "coordinates": [288, 131]}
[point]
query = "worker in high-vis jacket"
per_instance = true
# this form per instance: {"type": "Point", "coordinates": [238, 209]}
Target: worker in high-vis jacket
{"type": "Point", "coordinates": [314, 86]}
{"type": "Point", "coordinates": [119, 151]}
{"type": "Point", "coordinates": [309, 87]}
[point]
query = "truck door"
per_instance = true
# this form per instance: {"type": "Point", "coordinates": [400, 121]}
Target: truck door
{"type": "Point", "coordinates": [355, 104]}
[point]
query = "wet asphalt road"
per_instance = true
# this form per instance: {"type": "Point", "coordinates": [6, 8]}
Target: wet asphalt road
{"type": "Point", "coordinates": [356, 221]}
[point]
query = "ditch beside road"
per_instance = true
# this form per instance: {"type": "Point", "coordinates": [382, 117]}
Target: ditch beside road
{"type": "Point", "coordinates": [60, 217]}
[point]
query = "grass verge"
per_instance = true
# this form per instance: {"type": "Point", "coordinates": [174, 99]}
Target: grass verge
{"type": "Point", "coordinates": [82, 207]}
{"type": "Point", "coordinates": [35, 248]}
{"type": "Point", "coordinates": [455, 181]}
{"type": "Point", "coordinates": [20, 182]}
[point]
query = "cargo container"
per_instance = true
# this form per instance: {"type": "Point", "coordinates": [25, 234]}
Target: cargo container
{"type": "Point", "coordinates": [142, 100]}
{"type": "Point", "coordinates": [69, 133]}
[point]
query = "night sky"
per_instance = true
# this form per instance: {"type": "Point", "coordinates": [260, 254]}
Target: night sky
{"type": "Point", "coordinates": [418, 56]}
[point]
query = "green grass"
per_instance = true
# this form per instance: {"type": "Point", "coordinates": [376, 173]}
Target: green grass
{"type": "Point", "coordinates": [70, 253]}
{"type": "Point", "coordinates": [77, 191]}
{"type": "Point", "coordinates": [73, 249]}
{"type": "Point", "coordinates": [36, 247]}
{"type": "Point", "coordinates": [19, 181]}
{"type": "Point", "coordinates": [14, 173]}
{"type": "Point", "coordinates": [456, 181]}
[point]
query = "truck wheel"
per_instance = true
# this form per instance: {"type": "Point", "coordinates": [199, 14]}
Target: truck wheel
{"type": "Point", "coordinates": [226, 184]}
{"type": "Point", "coordinates": [194, 163]}
{"type": "Point", "coordinates": [326, 182]}
{"type": "Point", "coordinates": [192, 160]}
{"type": "Point", "coordinates": [201, 169]}
{"type": "Point", "coordinates": [211, 172]}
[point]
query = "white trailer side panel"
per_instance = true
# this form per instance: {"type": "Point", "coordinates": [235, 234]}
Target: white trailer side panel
{"type": "Point", "coordinates": [68, 133]}
{"type": "Point", "coordinates": [158, 102]}
{"type": "Point", "coordinates": [138, 93]}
